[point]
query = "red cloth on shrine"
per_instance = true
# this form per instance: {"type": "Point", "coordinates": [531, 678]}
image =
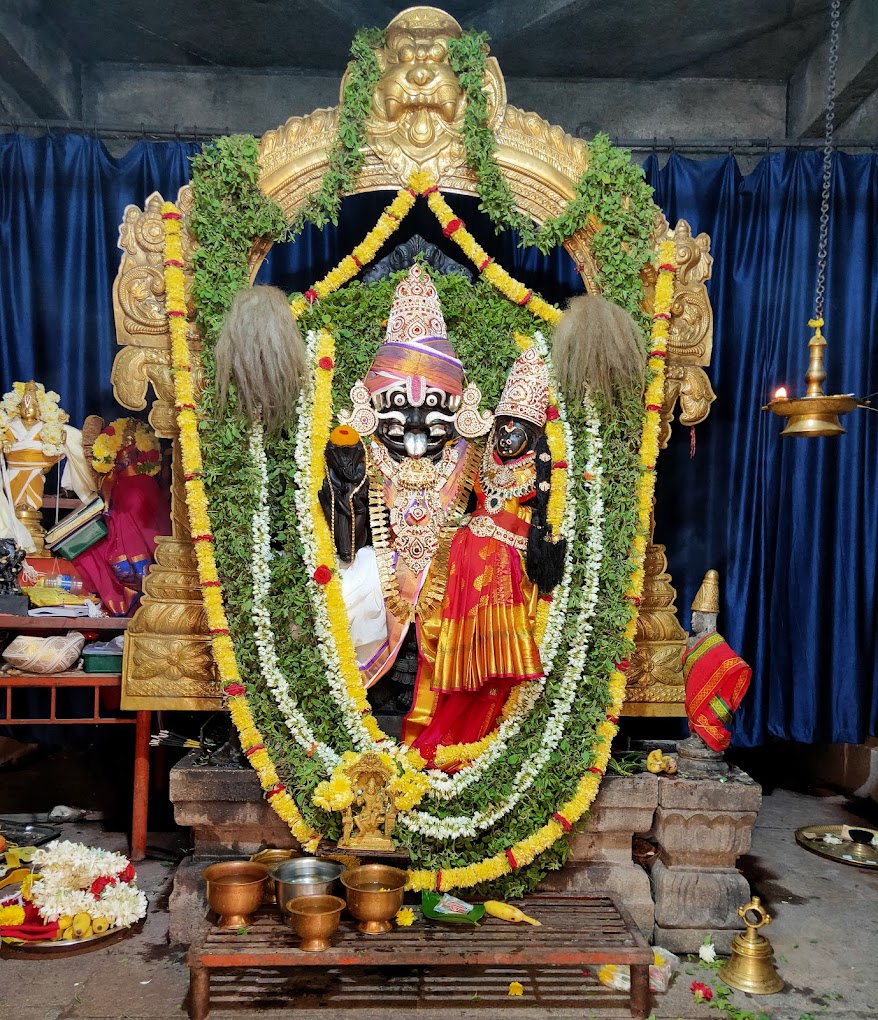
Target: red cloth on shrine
{"type": "Point", "coordinates": [113, 568]}
{"type": "Point", "coordinates": [716, 681]}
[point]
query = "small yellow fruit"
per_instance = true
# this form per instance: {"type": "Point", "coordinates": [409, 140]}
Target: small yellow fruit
{"type": "Point", "coordinates": [506, 912]}
{"type": "Point", "coordinates": [69, 935]}
{"type": "Point", "coordinates": [670, 764]}
{"type": "Point", "coordinates": [65, 921]}
{"type": "Point", "coordinates": [99, 925]}
{"type": "Point", "coordinates": [655, 761]}
{"type": "Point", "coordinates": [81, 924]}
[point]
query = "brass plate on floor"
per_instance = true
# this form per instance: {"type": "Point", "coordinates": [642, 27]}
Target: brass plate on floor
{"type": "Point", "coordinates": [855, 848]}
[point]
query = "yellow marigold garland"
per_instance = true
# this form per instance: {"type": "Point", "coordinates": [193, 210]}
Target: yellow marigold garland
{"type": "Point", "coordinates": [362, 255]}
{"type": "Point", "coordinates": [196, 500]}
{"type": "Point", "coordinates": [321, 425]}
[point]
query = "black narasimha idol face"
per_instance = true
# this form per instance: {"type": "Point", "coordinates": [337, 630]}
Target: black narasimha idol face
{"type": "Point", "coordinates": [415, 430]}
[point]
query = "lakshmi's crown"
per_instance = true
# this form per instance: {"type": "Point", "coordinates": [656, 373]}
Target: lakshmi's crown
{"type": "Point", "coordinates": [526, 393]}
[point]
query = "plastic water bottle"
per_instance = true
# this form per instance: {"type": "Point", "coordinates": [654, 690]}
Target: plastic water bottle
{"type": "Point", "coordinates": [63, 581]}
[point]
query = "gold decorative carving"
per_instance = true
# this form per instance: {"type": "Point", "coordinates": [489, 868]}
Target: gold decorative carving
{"type": "Point", "coordinates": [373, 811]}
{"type": "Point", "coordinates": [655, 672]}
{"type": "Point", "coordinates": [414, 123]}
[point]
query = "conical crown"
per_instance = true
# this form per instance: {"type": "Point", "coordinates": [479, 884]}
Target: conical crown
{"type": "Point", "coordinates": [707, 598]}
{"type": "Point", "coordinates": [526, 393]}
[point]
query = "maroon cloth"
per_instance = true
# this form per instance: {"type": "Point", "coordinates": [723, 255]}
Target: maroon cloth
{"type": "Point", "coordinates": [113, 568]}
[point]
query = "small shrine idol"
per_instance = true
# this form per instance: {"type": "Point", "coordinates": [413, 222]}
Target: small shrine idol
{"type": "Point", "coordinates": [716, 681]}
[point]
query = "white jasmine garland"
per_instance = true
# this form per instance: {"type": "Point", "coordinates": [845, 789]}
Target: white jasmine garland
{"type": "Point", "coordinates": [443, 787]}
{"type": "Point", "coordinates": [122, 904]}
{"type": "Point", "coordinates": [274, 678]}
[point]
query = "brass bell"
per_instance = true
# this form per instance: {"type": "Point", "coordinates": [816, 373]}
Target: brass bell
{"type": "Point", "coordinates": [751, 967]}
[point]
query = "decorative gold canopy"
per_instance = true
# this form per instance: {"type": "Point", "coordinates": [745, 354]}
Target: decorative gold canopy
{"type": "Point", "coordinates": [414, 123]}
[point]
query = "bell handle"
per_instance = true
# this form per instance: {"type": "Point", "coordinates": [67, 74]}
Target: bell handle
{"type": "Point", "coordinates": [754, 907]}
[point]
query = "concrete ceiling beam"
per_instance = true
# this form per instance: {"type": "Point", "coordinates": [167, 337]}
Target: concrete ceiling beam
{"type": "Point", "coordinates": [856, 79]}
{"type": "Point", "coordinates": [34, 64]}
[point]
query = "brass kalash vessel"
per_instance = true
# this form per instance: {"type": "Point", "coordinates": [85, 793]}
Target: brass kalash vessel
{"type": "Point", "coordinates": [751, 967]}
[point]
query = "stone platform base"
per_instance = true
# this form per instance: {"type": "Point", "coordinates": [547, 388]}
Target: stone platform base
{"type": "Point", "coordinates": [692, 888]}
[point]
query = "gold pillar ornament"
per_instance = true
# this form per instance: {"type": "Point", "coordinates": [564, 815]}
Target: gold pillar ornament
{"type": "Point", "coordinates": [414, 123]}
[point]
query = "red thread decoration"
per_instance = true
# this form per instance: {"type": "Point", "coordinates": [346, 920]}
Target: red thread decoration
{"type": "Point", "coordinates": [175, 314]}
{"type": "Point", "coordinates": [513, 863]}
{"type": "Point", "coordinates": [596, 771]}
{"type": "Point", "coordinates": [275, 790]}
{"type": "Point", "coordinates": [172, 262]}
{"type": "Point", "coordinates": [562, 821]}
{"type": "Point", "coordinates": [438, 881]}
{"type": "Point", "coordinates": [171, 216]}
{"type": "Point", "coordinates": [252, 750]}
{"type": "Point", "coordinates": [691, 441]}
{"type": "Point", "coordinates": [559, 465]}
{"type": "Point", "coordinates": [429, 191]}
{"type": "Point", "coordinates": [666, 267]}
{"type": "Point", "coordinates": [451, 227]}
{"type": "Point", "coordinates": [217, 631]}
{"type": "Point", "coordinates": [210, 584]}
{"type": "Point", "coordinates": [234, 690]}
{"type": "Point", "coordinates": [356, 261]}
{"type": "Point", "coordinates": [485, 264]}
{"type": "Point", "coordinates": [653, 407]}
{"type": "Point", "coordinates": [526, 299]}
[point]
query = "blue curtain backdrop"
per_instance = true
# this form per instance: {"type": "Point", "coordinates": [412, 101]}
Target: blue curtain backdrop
{"type": "Point", "coordinates": [790, 524]}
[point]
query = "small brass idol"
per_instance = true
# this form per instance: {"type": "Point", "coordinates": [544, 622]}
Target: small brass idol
{"type": "Point", "coordinates": [750, 967]}
{"type": "Point", "coordinates": [373, 812]}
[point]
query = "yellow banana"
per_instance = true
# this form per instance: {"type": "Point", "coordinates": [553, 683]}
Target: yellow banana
{"type": "Point", "coordinates": [655, 761]}
{"type": "Point", "coordinates": [81, 925]}
{"type": "Point", "coordinates": [64, 922]}
{"type": "Point", "coordinates": [507, 912]}
{"type": "Point", "coordinates": [99, 925]}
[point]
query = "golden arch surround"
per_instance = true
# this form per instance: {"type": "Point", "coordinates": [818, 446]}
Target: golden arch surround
{"type": "Point", "coordinates": [542, 164]}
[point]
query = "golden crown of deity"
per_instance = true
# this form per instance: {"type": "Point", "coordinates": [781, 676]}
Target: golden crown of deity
{"type": "Point", "coordinates": [415, 314]}
{"type": "Point", "coordinates": [707, 597]}
{"type": "Point", "coordinates": [526, 393]}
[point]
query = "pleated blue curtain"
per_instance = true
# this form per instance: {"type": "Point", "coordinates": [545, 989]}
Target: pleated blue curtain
{"type": "Point", "coordinates": [790, 524]}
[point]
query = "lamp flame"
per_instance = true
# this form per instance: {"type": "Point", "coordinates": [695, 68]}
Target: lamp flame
{"type": "Point", "coordinates": [780, 393]}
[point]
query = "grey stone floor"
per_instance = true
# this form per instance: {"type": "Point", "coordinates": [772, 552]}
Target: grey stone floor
{"type": "Point", "coordinates": [825, 935]}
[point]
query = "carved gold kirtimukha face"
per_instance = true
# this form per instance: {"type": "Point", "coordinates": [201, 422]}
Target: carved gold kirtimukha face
{"type": "Point", "coordinates": [418, 102]}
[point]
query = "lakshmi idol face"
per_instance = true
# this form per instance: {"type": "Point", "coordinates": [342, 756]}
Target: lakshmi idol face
{"type": "Point", "coordinates": [514, 437]}
{"type": "Point", "coordinates": [415, 425]}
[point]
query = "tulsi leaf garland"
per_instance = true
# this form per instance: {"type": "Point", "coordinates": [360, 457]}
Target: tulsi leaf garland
{"type": "Point", "coordinates": [516, 852]}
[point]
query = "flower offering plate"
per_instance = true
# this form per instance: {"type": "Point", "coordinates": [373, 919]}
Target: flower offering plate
{"type": "Point", "coordinates": [847, 844]}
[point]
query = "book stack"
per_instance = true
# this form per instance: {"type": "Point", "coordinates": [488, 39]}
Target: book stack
{"type": "Point", "coordinates": [78, 531]}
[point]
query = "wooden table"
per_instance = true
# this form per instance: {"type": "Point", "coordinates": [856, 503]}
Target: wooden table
{"type": "Point", "coordinates": [576, 931]}
{"type": "Point", "coordinates": [53, 682]}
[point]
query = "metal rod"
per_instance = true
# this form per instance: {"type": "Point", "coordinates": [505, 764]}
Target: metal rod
{"type": "Point", "coordinates": [658, 145]}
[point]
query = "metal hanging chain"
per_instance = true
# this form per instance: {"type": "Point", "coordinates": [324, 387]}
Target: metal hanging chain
{"type": "Point", "coordinates": [827, 159]}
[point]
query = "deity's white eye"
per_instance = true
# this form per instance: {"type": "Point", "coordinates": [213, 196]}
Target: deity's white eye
{"type": "Point", "coordinates": [437, 52]}
{"type": "Point", "coordinates": [432, 400]}
{"type": "Point", "coordinates": [398, 400]}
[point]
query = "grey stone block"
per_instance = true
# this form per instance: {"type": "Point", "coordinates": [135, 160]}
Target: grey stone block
{"type": "Point", "coordinates": [187, 905]}
{"type": "Point", "coordinates": [738, 793]}
{"type": "Point", "coordinates": [698, 898]}
{"type": "Point", "coordinates": [714, 838]}
{"type": "Point", "coordinates": [628, 883]}
{"type": "Point", "coordinates": [687, 940]}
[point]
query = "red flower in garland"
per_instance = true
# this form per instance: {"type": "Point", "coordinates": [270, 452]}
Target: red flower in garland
{"type": "Point", "coordinates": [322, 575]}
{"type": "Point", "coordinates": [99, 884]}
{"type": "Point", "coordinates": [128, 874]}
{"type": "Point", "coordinates": [326, 363]}
{"type": "Point", "coordinates": [701, 992]}
{"type": "Point", "coordinates": [552, 413]}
